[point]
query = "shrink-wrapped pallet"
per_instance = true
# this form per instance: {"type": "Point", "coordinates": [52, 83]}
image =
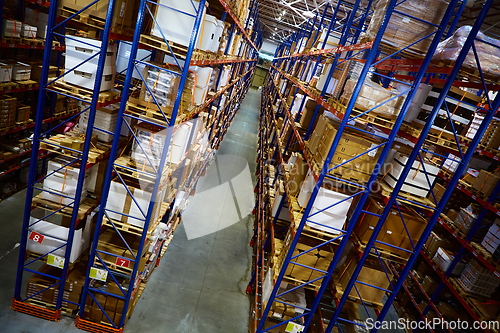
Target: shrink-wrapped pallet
{"type": "Point", "coordinates": [488, 52]}
{"type": "Point", "coordinates": [371, 95]}
{"type": "Point", "coordinates": [403, 30]}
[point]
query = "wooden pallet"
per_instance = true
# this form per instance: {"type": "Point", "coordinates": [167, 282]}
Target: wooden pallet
{"type": "Point", "coordinates": [12, 40]}
{"type": "Point", "coordinates": [178, 50]}
{"type": "Point", "coordinates": [339, 292]}
{"type": "Point", "coordinates": [85, 207]}
{"type": "Point", "coordinates": [484, 310]}
{"type": "Point", "coordinates": [34, 41]}
{"type": "Point", "coordinates": [8, 85]}
{"type": "Point", "coordinates": [53, 144]}
{"type": "Point", "coordinates": [83, 93]}
{"type": "Point", "coordinates": [26, 84]}
{"type": "Point", "coordinates": [135, 230]}
{"type": "Point", "coordinates": [95, 22]}
{"type": "Point", "coordinates": [50, 306]}
{"type": "Point", "coordinates": [386, 191]}
{"type": "Point", "coordinates": [486, 255]}
{"type": "Point", "coordinates": [465, 293]}
{"type": "Point", "coordinates": [30, 255]}
{"type": "Point", "coordinates": [382, 252]}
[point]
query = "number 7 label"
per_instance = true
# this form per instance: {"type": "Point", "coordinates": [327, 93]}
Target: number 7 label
{"type": "Point", "coordinates": [122, 262]}
{"type": "Point", "coordinates": [36, 237]}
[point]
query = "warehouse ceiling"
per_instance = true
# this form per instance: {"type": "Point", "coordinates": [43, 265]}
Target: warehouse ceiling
{"type": "Point", "coordinates": [280, 18]}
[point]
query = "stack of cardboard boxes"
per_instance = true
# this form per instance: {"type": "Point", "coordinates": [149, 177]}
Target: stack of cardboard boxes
{"type": "Point", "coordinates": [78, 51]}
{"type": "Point", "coordinates": [491, 240]}
{"type": "Point", "coordinates": [402, 30]}
{"type": "Point", "coordinates": [394, 232]}
{"type": "Point", "coordinates": [419, 179]}
{"type": "Point", "coordinates": [479, 280]}
{"type": "Point", "coordinates": [373, 274]}
{"type": "Point", "coordinates": [105, 119]}
{"type": "Point", "coordinates": [61, 184]}
{"type": "Point", "coordinates": [7, 111]}
{"type": "Point", "coordinates": [350, 146]}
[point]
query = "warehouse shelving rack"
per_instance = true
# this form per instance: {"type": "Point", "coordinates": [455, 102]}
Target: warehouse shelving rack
{"type": "Point", "coordinates": [73, 208]}
{"type": "Point", "coordinates": [241, 70]}
{"type": "Point", "coordinates": [393, 200]}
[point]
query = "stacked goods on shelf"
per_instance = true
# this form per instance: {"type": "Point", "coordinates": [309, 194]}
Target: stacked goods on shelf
{"type": "Point", "coordinates": [433, 243]}
{"type": "Point", "coordinates": [175, 20]}
{"type": "Point", "coordinates": [39, 286]}
{"type": "Point", "coordinates": [122, 20]}
{"type": "Point", "coordinates": [163, 84]}
{"type": "Point", "coordinates": [52, 231]}
{"type": "Point", "coordinates": [61, 183]}
{"type": "Point", "coordinates": [386, 102]}
{"type": "Point", "coordinates": [404, 30]}
{"type": "Point", "coordinates": [79, 50]}
{"type": "Point", "coordinates": [318, 258]}
{"type": "Point", "coordinates": [337, 79]}
{"type": "Point", "coordinates": [492, 239]}
{"type": "Point", "coordinates": [487, 52]}
{"type": "Point", "coordinates": [328, 218]}
{"type": "Point", "coordinates": [105, 118]}
{"type": "Point", "coordinates": [491, 138]}
{"type": "Point", "coordinates": [5, 72]}
{"type": "Point", "coordinates": [16, 146]}
{"type": "Point", "coordinates": [419, 179]}
{"type": "Point", "coordinates": [11, 28]}
{"type": "Point", "coordinates": [478, 280]}
{"type": "Point", "coordinates": [23, 113]}
{"type": "Point", "coordinates": [350, 146]}
{"type": "Point", "coordinates": [28, 31]}
{"type": "Point", "coordinates": [203, 76]}
{"type": "Point", "coordinates": [7, 111]}
{"type": "Point", "coordinates": [465, 219]}
{"type": "Point", "coordinates": [461, 105]}
{"type": "Point", "coordinates": [308, 113]}
{"type": "Point", "coordinates": [443, 259]}
{"type": "Point", "coordinates": [401, 231]}
{"type": "Point", "coordinates": [374, 273]}
{"type": "Point", "coordinates": [38, 19]}
{"type": "Point", "coordinates": [485, 182]}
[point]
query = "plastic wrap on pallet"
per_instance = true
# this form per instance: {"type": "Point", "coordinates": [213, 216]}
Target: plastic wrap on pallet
{"type": "Point", "coordinates": [372, 95]}
{"type": "Point", "coordinates": [489, 55]}
{"type": "Point", "coordinates": [403, 30]}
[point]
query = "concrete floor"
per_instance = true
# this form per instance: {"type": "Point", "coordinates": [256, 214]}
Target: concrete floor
{"type": "Point", "coordinates": [200, 284]}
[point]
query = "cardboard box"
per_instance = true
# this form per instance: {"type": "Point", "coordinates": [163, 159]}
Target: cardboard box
{"type": "Point", "coordinates": [485, 182]}
{"type": "Point", "coordinates": [21, 71]}
{"type": "Point", "coordinates": [11, 28]}
{"type": "Point", "coordinates": [5, 72]}
{"type": "Point", "coordinates": [373, 274]}
{"type": "Point", "coordinates": [417, 181]}
{"type": "Point", "coordinates": [123, 14]}
{"type": "Point", "coordinates": [328, 218]}
{"type": "Point", "coordinates": [174, 26]}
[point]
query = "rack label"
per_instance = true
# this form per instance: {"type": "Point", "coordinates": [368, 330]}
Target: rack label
{"type": "Point", "coordinates": [36, 237]}
{"type": "Point", "coordinates": [294, 328]}
{"type": "Point", "coordinates": [98, 274]}
{"type": "Point", "coordinates": [55, 261]}
{"type": "Point", "coordinates": [122, 262]}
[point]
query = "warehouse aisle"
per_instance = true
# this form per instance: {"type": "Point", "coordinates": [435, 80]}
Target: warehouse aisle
{"type": "Point", "coordinates": [200, 284]}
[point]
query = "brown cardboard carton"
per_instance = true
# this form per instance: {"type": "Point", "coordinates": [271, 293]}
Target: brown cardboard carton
{"type": "Point", "coordinates": [485, 182]}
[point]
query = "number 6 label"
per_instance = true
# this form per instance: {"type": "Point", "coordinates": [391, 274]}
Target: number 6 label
{"type": "Point", "coordinates": [36, 237]}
